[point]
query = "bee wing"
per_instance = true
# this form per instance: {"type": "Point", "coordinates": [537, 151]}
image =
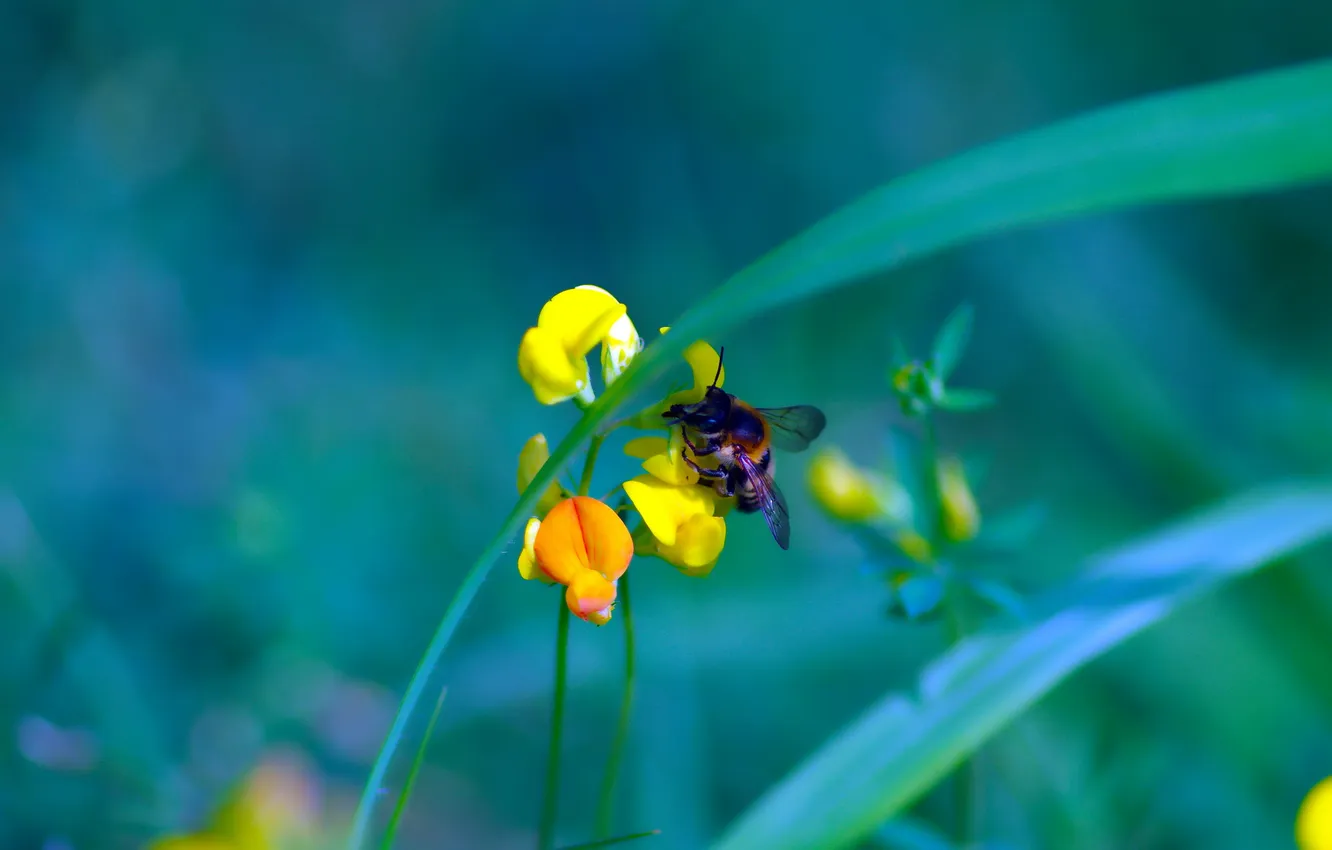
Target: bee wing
{"type": "Point", "coordinates": [794, 428]}
{"type": "Point", "coordinates": [770, 500]}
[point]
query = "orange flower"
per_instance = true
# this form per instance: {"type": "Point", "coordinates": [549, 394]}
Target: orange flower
{"type": "Point", "coordinates": [585, 546]}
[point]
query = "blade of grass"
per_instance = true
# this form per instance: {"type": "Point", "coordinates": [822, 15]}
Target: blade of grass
{"type": "Point", "coordinates": [1253, 133]}
{"type": "Point", "coordinates": [392, 829]}
{"type": "Point", "coordinates": [606, 842]}
{"type": "Point", "coordinates": [902, 746]}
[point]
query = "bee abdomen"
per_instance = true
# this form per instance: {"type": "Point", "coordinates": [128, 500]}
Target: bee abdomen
{"type": "Point", "coordinates": [747, 499]}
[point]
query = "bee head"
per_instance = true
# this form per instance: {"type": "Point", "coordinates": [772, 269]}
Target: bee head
{"type": "Point", "coordinates": [708, 415]}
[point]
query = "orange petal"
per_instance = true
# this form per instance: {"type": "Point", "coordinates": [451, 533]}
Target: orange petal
{"type": "Point", "coordinates": [591, 597]}
{"type": "Point", "coordinates": [583, 534]}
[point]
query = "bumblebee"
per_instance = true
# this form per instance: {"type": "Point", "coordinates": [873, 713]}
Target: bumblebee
{"type": "Point", "coordinates": [741, 438]}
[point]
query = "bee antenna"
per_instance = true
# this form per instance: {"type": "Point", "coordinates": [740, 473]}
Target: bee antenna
{"type": "Point", "coordinates": [721, 352]}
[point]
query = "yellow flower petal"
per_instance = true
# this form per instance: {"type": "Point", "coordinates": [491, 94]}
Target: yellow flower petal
{"type": "Point", "coordinates": [961, 518]}
{"type": "Point", "coordinates": [665, 507]}
{"type": "Point", "coordinates": [1313, 822]}
{"type": "Point", "coordinates": [669, 465]}
{"type": "Point", "coordinates": [591, 597]}
{"type": "Point", "coordinates": [698, 544]}
{"type": "Point", "coordinates": [704, 360]}
{"type": "Point", "coordinates": [583, 534]}
{"type": "Point", "coordinates": [645, 447]}
{"type": "Point", "coordinates": [621, 343]}
{"type": "Point", "coordinates": [533, 456]}
{"type": "Point", "coordinates": [580, 317]}
{"type": "Point", "coordinates": [544, 363]}
{"type": "Point", "coordinates": [527, 563]}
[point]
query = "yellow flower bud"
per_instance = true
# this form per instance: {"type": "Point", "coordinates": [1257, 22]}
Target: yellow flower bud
{"type": "Point", "coordinates": [961, 517]}
{"type": "Point", "coordinates": [1313, 822]}
{"type": "Point", "coordinates": [851, 494]}
{"type": "Point", "coordinates": [914, 546]}
{"type": "Point", "coordinates": [534, 455]}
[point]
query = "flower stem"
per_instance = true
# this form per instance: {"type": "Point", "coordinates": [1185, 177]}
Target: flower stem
{"type": "Point", "coordinates": [605, 807]}
{"type": "Point", "coordinates": [933, 520]}
{"type": "Point", "coordinates": [965, 779]}
{"type": "Point", "coordinates": [593, 447]}
{"type": "Point", "coordinates": [550, 804]}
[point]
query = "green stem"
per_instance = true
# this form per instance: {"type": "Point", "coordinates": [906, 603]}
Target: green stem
{"type": "Point", "coordinates": [965, 778]}
{"type": "Point", "coordinates": [550, 805]}
{"type": "Point", "coordinates": [605, 808]}
{"type": "Point", "coordinates": [933, 520]}
{"type": "Point", "coordinates": [593, 447]}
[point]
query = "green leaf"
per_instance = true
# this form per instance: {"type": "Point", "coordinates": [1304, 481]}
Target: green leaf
{"type": "Point", "coordinates": [902, 746]}
{"type": "Point", "coordinates": [1254, 133]}
{"type": "Point", "coordinates": [920, 595]}
{"type": "Point", "coordinates": [951, 341]}
{"type": "Point", "coordinates": [391, 831]}
{"type": "Point", "coordinates": [964, 401]}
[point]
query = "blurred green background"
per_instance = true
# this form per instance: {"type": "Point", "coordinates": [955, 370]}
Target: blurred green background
{"type": "Point", "coordinates": [265, 268]}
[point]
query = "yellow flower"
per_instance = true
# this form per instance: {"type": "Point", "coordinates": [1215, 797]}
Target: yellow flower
{"type": "Point", "coordinates": [851, 494]}
{"type": "Point", "coordinates": [534, 455]}
{"type": "Point", "coordinates": [275, 807]}
{"type": "Point", "coordinates": [1313, 822]}
{"type": "Point", "coordinates": [698, 543]}
{"type": "Point", "coordinates": [527, 565]}
{"type": "Point", "coordinates": [583, 545]}
{"type": "Point", "coordinates": [960, 516]}
{"type": "Point", "coordinates": [553, 355]}
{"type": "Point", "coordinates": [682, 518]}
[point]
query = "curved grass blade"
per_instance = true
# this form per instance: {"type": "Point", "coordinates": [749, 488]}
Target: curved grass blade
{"type": "Point", "coordinates": [903, 745]}
{"type": "Point", "coordinates": [1254, 133]}
{"type": "Point", "coordinates": [391, 831]}
{"type": "Point", "coordinates": [607, 842]}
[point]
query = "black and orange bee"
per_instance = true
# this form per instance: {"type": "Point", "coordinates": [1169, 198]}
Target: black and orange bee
{"type": "Point", "coordinates": [741, 437]}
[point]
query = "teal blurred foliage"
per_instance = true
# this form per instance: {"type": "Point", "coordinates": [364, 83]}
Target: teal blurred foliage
{"type": "Point", "coordinates": [265, 271]}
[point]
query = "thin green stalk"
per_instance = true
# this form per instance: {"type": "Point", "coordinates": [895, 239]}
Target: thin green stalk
{"type": "Point", "coordinates": [593, 447]}
{"type": "Point", "coordinates": [550, 804]}
{"type": "Point", "coordinates": [964, 779]}
{"type": "Point", "coordinates": [606, 806]}
{"type": "Point", "coordinates": [933, 520]}
{"type": "Point", "coordinates": [400, 808]}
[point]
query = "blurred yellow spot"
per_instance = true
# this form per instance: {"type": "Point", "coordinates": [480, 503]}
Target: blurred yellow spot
{"type": "Point", "coordinates": [961, 517]}
{"type": "Point", "coordinates": [851, 494]}
{"type": "Point", "coordinates": [1313, 822]}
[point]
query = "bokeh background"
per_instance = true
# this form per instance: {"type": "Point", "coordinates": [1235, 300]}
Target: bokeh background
{"type": "Point", "coordinates": [264, 271]}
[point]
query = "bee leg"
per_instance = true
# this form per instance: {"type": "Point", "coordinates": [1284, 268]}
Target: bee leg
{"type": "Point", "coordinates": [710, 447]}
{"type": "Point", "coordinates": [703, 471]}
